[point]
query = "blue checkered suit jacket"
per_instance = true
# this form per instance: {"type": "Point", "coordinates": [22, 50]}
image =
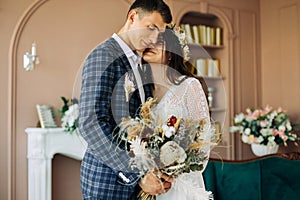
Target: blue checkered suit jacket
{"type": "Point", "coordinates": [102, 106]}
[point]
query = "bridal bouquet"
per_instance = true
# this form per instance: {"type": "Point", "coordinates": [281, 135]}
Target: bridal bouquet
{"type": "Point", "coordinates": [172, 146]}
{"type": "Point", "coordinates": [266, 126]}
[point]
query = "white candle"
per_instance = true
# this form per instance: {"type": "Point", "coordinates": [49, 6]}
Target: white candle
{"type": "Point", "coordinates": [33, 49]}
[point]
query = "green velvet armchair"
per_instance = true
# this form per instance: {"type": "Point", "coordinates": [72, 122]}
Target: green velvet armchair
{"type": "Point", "coordinates": [273, 177]}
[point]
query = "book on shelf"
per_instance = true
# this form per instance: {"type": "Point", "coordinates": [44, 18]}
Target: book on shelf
{"type": "Point", "coordinates": [203, 39]}
{"type": "Point", "coordinates": [208, 35]}
{"type": "Point", "coordinates": [196, 34]}
{"type": "Point", "coordinates": [188, 31]}
{"type": "Point", "coordinates": [212, 35]}
{"type": "Point", "coordinates": [218, 35]}
{"type": "Point", "coordinates": [201, 67]}
{"type": "Point", "coordinates": [203, 34]}
{"type": "Point", "coordinates": [213, 68]}
{"type": "Point", "coordinates": [208, 67]}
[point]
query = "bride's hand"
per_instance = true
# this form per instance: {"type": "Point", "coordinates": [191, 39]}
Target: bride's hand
{"type": "Point", "coordinates": [154, 185]}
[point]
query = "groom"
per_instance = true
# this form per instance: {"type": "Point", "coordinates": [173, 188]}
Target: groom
{"type": "Point", "coordinates": [105, 99]}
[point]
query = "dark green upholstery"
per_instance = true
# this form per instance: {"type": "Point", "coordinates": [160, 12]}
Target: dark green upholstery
{"type": "Point", "coordinates": [268, 178]}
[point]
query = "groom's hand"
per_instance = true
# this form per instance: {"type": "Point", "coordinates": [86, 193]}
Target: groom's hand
{"type": "Point", "coordinates": [152, 185]}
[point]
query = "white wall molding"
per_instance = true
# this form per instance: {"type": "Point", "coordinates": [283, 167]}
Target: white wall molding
{"type": "Point", "coordinates": [13, 52]}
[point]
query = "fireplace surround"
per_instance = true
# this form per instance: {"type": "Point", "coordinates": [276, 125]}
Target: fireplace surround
{"type": "Point", "coordinates": [42, 145]}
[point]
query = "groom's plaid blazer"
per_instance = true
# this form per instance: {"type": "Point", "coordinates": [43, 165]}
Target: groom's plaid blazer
{"type": "Point", "coordinates": [104, 170]}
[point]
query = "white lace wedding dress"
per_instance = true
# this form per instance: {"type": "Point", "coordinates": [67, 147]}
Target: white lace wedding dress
{"type": "Point", "coordinates": [187, 100]}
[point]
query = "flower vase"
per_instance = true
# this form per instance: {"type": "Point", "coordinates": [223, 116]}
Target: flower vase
{"type": "Point", "coordinates": [261, 150]}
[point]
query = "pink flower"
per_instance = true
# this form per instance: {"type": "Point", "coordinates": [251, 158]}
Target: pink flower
{"type": "Point", "coordinates": [248, 111]}
{"type": "Point", "coordinates": [255, 114]}
{"type": "Point", "coordinates": [277, 132]}
{"type": "Point", "coordinates": [263, 123]}
{"type": "Point", "coordinates": [268, 108]}
{"type": "Point", "coordinates": [284, 137]}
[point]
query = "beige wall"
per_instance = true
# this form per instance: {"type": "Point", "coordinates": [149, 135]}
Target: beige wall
{"type": "Point", "coordinates": [280, 39]}
{"type": "Point", "coordinates": [65, 36]}
{"type": "Point", "coordinates": [280, 24]}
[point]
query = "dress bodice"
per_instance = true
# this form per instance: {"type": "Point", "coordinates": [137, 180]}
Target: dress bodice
{"type": "Point", "coordinates": [186, 100]}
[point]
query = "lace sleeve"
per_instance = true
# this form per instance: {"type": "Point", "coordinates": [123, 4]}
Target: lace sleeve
{"type": "Point", "coordinates": [195, 100]}
{"type": "Point", "coordinates": [197, 107]}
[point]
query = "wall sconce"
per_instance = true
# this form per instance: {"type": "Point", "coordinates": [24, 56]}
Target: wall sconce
{"type": "Point", "coordinates": [31, 59]}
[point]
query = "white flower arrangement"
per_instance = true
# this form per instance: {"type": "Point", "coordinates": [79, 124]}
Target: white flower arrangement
{"type": "Point", "coordinates": [69, 115]}
{"type": "Point", "coordinates": [129, 86]}
{"type": "Point", "coordinates": [70, 118]}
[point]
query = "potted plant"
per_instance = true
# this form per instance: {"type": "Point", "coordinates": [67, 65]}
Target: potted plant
{"type": "Point", "coordinates": [264, 129]}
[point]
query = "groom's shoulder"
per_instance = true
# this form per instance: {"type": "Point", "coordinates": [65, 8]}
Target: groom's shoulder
{"type": "Point", "coordinates": [107, 50]}
{"type": "Point", "coordinates": [110, 45]}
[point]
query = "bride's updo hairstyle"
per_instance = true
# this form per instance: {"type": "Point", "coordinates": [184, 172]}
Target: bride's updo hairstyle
{"type": "Point", "coordinates": [177, 53]}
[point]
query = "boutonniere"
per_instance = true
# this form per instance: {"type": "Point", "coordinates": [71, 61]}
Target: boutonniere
{"type": "Point", "coordinates": [128, 86]}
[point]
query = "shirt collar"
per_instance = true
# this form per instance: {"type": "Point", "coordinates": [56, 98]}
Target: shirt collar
{"type": "Point", "coordinates": [126, 49]}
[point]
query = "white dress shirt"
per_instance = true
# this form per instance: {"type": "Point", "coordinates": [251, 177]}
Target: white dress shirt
{"type": "Point", "coordinates": [134, 61]}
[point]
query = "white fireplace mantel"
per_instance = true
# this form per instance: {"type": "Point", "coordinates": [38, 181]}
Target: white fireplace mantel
{"type": "Point", "coordinates": [42, 145]}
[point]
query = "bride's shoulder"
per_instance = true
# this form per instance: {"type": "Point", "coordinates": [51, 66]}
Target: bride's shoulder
{"type": "Point", "coordinates": [191, 81]}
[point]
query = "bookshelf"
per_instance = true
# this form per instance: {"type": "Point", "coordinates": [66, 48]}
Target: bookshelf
{"type": "Point", "coordinates": [209, 55]}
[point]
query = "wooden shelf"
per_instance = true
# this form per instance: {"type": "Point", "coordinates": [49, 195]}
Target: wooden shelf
{"type": "Point", "coordinates": [202, 51]}
{"type": "Point", "coordinates": [214, 78]}
{"type": "Point", "coordinates": [196, 45]}
{"type": "Point", "coordinates": [217, 109]}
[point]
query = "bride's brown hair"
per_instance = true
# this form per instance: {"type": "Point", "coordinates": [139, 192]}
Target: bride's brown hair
{"type": "Point", "coordinates": [177, 64]}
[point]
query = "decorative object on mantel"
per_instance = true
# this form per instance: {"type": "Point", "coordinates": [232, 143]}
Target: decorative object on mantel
{"type": "Point", "coordinates": [45, 116]}
{"type": "Point", "coordinates": [69, 115]}
{"type": "Point", "coordinates": [265, 128]}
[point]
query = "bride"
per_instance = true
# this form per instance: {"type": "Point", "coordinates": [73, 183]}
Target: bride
{"type": "Point", "coordinates": [181, 92]}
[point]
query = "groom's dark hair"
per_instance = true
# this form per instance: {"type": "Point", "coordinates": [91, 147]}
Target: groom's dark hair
{"type": "Point", "coordinates": [153, 5]}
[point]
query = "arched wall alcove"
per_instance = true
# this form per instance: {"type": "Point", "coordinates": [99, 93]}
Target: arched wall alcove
{"type": "Point", "coordinates": [65, 32]}
{"type": "Point", "coordinates": [224, 16]}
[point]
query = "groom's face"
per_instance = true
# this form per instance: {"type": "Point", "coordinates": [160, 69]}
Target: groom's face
{"type": "Point", "coordinates": [157, 53]}
{"type": "Point", "coordinates": [145, 28]}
